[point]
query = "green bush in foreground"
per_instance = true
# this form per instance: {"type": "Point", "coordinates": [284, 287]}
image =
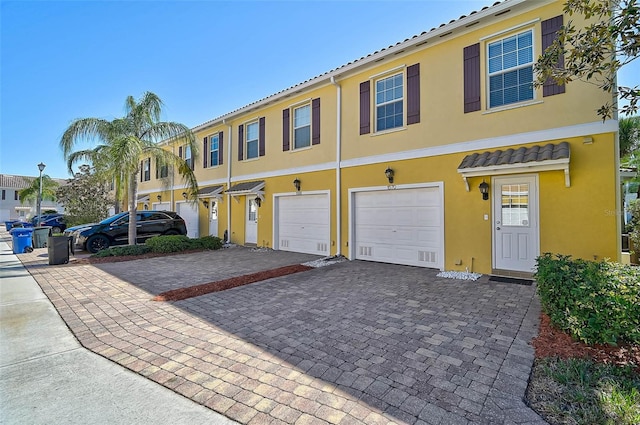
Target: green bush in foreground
{"type": "Point", "coordinates": [179, 243]}
{"type": "Point", "coordinates": [118, 251]}
{"type": "Point", "coordinates": [595, 302]}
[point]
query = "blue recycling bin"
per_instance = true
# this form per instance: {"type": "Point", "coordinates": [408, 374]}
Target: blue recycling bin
{"type": "Point", "coordinates": [9, 224]}
{"type": "Point", "coordinates": [22, 239]}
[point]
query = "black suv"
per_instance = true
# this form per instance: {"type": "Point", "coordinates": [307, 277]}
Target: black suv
{"type": "Point", "coordinates": [115, 229]}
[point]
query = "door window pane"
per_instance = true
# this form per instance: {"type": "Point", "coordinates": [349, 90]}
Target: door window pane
{"type": "Point", "coordinates": [252, 210]}
{"type": "Point", "coordinates": [515, 204]}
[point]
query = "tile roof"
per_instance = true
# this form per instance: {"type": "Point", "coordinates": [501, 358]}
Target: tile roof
{"type": "Point", "coordinates": [246, 186]}
{"type": "Point", "coordinates": [143, 198]}
{"type": "Point", "coordinates": [516, 156]}
{"type": "Point", "coordinates": [21, 182]}
{"type": "Point", "coordinates": [209, 191]}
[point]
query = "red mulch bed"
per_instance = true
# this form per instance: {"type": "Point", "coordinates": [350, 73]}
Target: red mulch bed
{"type": "Point", "coordinates": [221, 285]}
{"type": "Point", "coordinates": [552, 342]}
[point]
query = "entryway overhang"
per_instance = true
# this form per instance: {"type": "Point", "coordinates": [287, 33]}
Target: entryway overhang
{"type": "Point", "coordinates": [247, 188]}
{"type": "Point", "coordinates": [551, 157]}
{"type": "Point", "coordinates": [211, 192]}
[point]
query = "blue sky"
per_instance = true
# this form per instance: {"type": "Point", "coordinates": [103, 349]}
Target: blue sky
{"type": "Point", "coordinates": [77, 59]}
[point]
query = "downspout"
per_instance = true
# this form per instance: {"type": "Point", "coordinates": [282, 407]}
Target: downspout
{"type": "Point", "coordinates": [338, 172]}
{"type": "Point", "coordinates": [173, 179]}
{"type": "Point", "coordinates": [228, 182]}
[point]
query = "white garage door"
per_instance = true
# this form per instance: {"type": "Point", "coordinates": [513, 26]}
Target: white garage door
{"type": "Point", "coordinates": [162, 206]}
{"type": "Point", "coordinates": [402, 226]}
{"type": "Point", "coordinates": [303, 223]}
{"type": "Point", "coordinates": [189, 212]}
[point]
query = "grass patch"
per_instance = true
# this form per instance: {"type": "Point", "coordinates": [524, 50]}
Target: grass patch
{"type": "Point", "coordinates": [579, 391]}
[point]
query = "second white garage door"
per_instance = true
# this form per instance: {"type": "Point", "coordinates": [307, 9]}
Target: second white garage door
{"type": "Point", "coordinates": [401, 226]}
{"type": "Point", "coordinates": [303, 223]}
{"type": "Point", "coordinates": [189, 212]}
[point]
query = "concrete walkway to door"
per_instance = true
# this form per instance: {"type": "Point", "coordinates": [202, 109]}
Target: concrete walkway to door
{"type": "Point", "coordinates": [352, 343]}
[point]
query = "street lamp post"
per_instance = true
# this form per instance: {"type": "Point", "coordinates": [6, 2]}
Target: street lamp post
{"type": "Point", "coordinates": [39, 211]}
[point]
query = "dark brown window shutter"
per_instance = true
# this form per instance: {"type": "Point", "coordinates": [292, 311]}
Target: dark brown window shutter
{"type": "Point", "coordinates": [550, 29]}
{"type": "Point", "coordinates": [413, 94]}
{"type": "Point", "coordinates": [286, 131]}
{"type": "Point", "coordinates": [261, 136]}
{"type": "Point", "coordinates": [141, 171]}
{"type": "Point", "coordinates": [205, 152]}
{"type": "Point", "coordinates": [180, 152]}
{"type": "Point", "coordinates": [157, 169]}
{"type": "Point", "coordinates": [472, 78]}
{"type": "Point", "coordinates": [315, 121]}
{"type": "Point", "coordinates": [220, 149]}
{"type": "Point", "coordinates": [365, 107]}
{"type": "Point", "coordinates": [240, 142]}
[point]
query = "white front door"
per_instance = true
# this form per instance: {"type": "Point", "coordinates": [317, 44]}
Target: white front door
{"type": "Point", "coordinates": [516, 235]}
{"type": "Point", "coordinates": [161, 206]}
{"type": "Point", "coordinates": [251, 227]}
{"type": "Point", "coordinates": [213, 217]}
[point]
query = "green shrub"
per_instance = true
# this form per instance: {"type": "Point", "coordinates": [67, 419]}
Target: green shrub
{"type": "Point", "coordinates": [169, 243]}
{"type": "Point", "coordinates": [634, 225]}
{"type": "Point", "coordinates": [596, 302]}
{"type": "Point", "coordinates": [207, 242]}
{"type": "Point", "coordinates": [117, 251]}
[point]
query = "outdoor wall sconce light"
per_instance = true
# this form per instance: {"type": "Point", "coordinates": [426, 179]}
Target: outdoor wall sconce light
{"type": "Point", "coordinates": [484, 189]}
{"type": "Point", "coordinates": [184, 195]}
{"type": "Point", "coordinates": [159, 198]}
{"type": "Point", "coordinates": [389, 173]}
{"type": "Point", "coordinates": [146, 206]}
{"type": "Point", "coordinates": [258, 201]}
{"type": "Point", "coordinates": [205, 203]}
{"type": "Point", "coordinates": [296, 183]}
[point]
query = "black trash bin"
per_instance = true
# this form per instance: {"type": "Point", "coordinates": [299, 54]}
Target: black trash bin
{"type": "Point", "coordinates": [40, 236]}
{"type": "Point", "coordinates": [59, 248]}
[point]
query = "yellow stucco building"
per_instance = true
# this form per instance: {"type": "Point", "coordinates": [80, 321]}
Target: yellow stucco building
{"type": "Point", "coordinates": [384, 158]}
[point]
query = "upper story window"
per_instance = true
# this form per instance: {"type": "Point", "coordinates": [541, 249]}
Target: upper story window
{"type": "Point", "coordinates": [214, 150]}
{"type": "Point", "coordinates": [396, 98]}
{"type": "Point", "coordinates": [16, 197]}
{"type": "Point", "coordinates": [302, 127]}
{"type": "Point", "coordinates": [510, 62]}
{"type": "Point", "coordinates": [252, 140]}
{"type": "Point", "coordinates": [187, 156]}
{"type": "Point", "coordinates": [389, 102]}
{"type": "Point", "coordinates": [162, 170]}
{"type": "Point", "coordinates": [146, 170]}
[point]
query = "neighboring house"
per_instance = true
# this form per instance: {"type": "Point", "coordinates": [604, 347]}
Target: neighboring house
{"type": "Point", "coordinates": [10, 206]}
{"type": "Point", "coordinates": [383, 158]}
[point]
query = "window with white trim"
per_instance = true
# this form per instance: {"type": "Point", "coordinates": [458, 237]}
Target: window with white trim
{"type": "Point", "coordinates": [214, 150]}
{"type": "Point", "coordinates": [510, 69]}
{"type": "Point", "coordinates": [302, 127]}
{"type": "Point", "coordinates": [187, 156]}
{"type": "Point", "coordinates": [389, 102]}
{"type": "Point", "coordinates": [251, 140]}
{"type": "Point", "coordinates": [146, 167]}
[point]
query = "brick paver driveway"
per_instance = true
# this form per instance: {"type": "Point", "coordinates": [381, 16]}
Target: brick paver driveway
{"type": "Point", "coordinates": [355, 342]}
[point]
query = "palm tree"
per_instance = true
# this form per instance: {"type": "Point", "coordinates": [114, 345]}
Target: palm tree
{"type": "Point", "coordinates": [629, 135]}
{"type": "Point", "coordinates": [124, 141]}
{"type": "Point", "coordinates": [30, 194]}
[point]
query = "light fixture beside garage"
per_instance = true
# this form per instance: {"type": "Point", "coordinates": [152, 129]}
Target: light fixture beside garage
{"type": "Point", "coordinates": [184, 195]}
{"type": "Point", "coordinates": [258, 201]}
{"type": "Point", "coordinates": [389, 173]}
{"type": "Point", "coordinates": [159, 198]}
{"type": "Point", "coordinates": [296, 183]}
{"type": "Point", "coordinates": [205, 203]}
{"type": "Point", "coordinates": [484, 189]}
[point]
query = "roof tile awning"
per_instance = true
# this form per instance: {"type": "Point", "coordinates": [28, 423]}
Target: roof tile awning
{"type": "Point", "coordinates": [246, 188]}
{"type": "Point", "coordinates": [143, 198]}
{"type": "Point", "coordinates": [522, 160]}
{"type": "Point", "coordinates": [210, 192]}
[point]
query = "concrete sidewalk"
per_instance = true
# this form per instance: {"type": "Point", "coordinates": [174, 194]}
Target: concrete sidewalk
{"type": "Point", "coordinates": [47, 377]}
